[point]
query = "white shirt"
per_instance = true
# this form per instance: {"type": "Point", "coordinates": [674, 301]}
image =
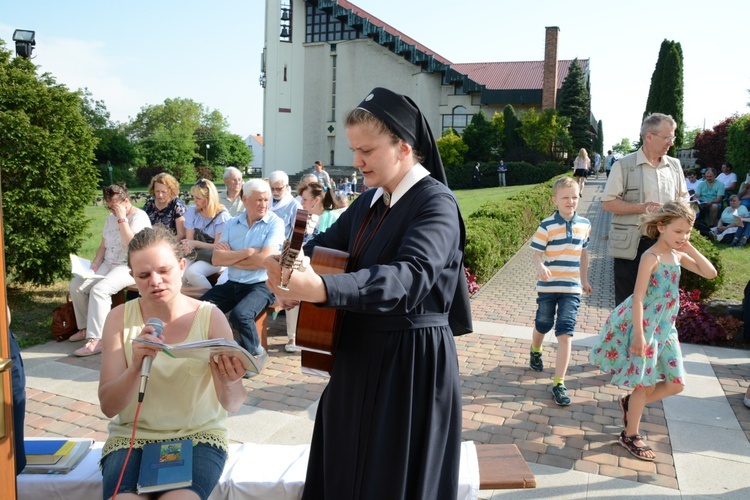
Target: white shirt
{"type": "Point", "coordinates": [727, 180]}
{"type": "Point", "coordinates": [692, 185]}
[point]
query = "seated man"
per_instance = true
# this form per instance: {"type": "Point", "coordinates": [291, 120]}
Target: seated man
{"type": "Point", "coordinates": [710, 194]}
{"type": "Point", "coordinates": [728, 178]}
{"type": "Point", "coordinates": [244, 245]}
{"type": "Point", "coordinates": [283, 203]}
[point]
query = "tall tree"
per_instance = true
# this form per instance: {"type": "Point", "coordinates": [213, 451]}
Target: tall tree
{"type": "Point", "coordinates": [498, 122]}
{"type": "Point", "coordinates": [115, 154]}
{"type": "Point", "coordinates": [666, 94]}
{"type": "Point", "coordinates": [711, 144]}
{"type": "Point", "coordinates": [48, 176]}
{"type": "Point", "coordinates": [623, 147]}
{"type": "Point", "coordinates": [511, 138]}
{"type": "Point", "coordinates": [546, 133]}
{"type": "Point", "coordinates": [599, 145]}
{"type": "Point", "coordinates": [738, 146]}
{"type": "Point", "coordinates": [481, 138]}
{"type": "Point", "coordinates": [575, 103]}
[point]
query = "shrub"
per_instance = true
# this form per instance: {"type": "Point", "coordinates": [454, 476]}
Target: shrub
{"type": "Point", "coordinates": [497, 230]}
{"type": "Point", "coordinates": [691, 281]}
{"type": "Point", "coordinates": [519, 173]}
{"type": "Point", "coordinates": [696, 325]}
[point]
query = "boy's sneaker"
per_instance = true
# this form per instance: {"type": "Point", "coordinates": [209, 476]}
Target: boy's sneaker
{"type": "Point", "coordinates": [535, 361]}
{"type": "Point", "coordinates": [560, 394]}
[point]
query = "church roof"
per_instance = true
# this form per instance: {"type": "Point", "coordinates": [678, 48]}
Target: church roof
{"type": "Point", "coordinates": [517, 75]}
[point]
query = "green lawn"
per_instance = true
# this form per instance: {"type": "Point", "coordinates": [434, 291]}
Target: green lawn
{"type": "Point", "coordinates": [471, 199]}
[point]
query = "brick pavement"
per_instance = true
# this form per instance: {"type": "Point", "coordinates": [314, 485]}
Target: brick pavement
{"type": "Point", "coordinates": [516, 305]}
{"type": "Point", "coordinates": [503, 401]}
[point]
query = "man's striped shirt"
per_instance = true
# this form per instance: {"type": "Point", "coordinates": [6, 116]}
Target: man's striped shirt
{"type": "Point", "coordinates": [562, 242]}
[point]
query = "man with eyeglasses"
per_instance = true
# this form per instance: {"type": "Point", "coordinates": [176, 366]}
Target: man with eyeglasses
{"type": "Point", "coordinates": [283, 203]}
{"type": "Point", "coordinates": [710, 194]}
{"type": "Point", "coordinates": [232, 197]}
{"type": "Point", "coordinates": [640, 183]}
{"type": "Point", "coordinates": [245, 243]}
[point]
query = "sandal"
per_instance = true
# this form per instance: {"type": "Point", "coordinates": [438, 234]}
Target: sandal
{"type": "Point", "coordinates": [624, 407]}
{"type": "Point", "coordinates": [637, 451]}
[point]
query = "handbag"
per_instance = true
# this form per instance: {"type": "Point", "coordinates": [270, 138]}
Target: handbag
{"type": "Point", "coordinates": [64, 321]}
{"type": "Point", "coordinates": [203, 254]}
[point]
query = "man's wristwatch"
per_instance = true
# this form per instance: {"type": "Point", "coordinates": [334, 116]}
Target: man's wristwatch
{"type": "Point", "coordinates": [121, 221]}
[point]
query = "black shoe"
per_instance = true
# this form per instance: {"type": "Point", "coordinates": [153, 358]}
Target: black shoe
{"type": "Point", "coordinates": [560, 393]}
{"type": "Point", "coordinates": [535, 361]}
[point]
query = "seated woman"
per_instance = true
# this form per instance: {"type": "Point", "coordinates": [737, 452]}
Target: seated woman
{"type": "Point", "coordinates": [165, 207]}
{"type": "Point", "coordinates": [92, 298]}
{"type": "Point", "coordinates": [320, 207]}
{"type": "Point", "coordinates": [207, 217]}
{"type": "Point", "coordinates": [187, 398]}
{"type": "Point", "coordinates": [728, 228]}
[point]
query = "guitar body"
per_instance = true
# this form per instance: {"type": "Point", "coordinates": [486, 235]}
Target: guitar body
{"type": "Point", "coordinates": [318, 327]}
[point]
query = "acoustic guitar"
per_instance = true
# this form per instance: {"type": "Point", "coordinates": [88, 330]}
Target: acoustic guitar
{"type": "Point", "coordinates": [318, 327]}
{"type": "Point", "coordinates": [291, 258]}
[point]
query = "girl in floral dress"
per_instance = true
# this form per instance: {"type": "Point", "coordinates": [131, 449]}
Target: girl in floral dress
{"type": "Point", "coordinates": [638, 345]}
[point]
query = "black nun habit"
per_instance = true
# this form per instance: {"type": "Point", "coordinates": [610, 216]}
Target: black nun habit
{"type": "Point", "coordinates": [389, 422]}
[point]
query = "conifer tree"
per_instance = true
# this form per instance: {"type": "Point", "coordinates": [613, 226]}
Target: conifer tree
{"type": "Point", "coordinates": [666, 94]}
{"type": "Point", "coordinates": [511, 138]}
{"type": "Point", "coordinates": [575, 103]}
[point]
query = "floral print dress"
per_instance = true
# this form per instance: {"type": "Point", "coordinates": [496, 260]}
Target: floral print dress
{"type": "Point", "coordinates": [662, 361]}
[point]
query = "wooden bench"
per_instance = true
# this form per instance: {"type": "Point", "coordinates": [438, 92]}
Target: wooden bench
{"type": "Point", "coordinates": [502, 467]}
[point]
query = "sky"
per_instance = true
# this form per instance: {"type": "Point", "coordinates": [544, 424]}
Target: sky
{"type": "Point", "coordinates": [141, 52]}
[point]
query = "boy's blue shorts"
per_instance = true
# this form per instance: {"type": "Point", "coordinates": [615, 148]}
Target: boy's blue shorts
{"type": "Point", "coordinates": [567, 312]}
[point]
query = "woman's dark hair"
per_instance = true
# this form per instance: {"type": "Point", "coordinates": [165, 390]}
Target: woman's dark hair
{"type": "Point", "coordinates": [151, 236]}
{"type": "Point", "coordinates": [317, 191]}
{"type": "Point", "coordinates": [119, 190]}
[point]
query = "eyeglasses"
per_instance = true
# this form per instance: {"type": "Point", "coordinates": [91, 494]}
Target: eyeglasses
{"type": "Point", "coordinates": [201, 183]}
{"type": "Point", "coordinates": [278, 190]}
{"type": "Point", "coordinates": [668, 139]}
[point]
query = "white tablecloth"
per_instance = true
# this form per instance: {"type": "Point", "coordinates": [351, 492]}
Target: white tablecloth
{"type": "Point", "coordinates": [262, 471]}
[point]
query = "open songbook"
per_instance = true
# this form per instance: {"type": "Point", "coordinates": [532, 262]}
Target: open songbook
{"type": "Point", "coordinates": [82, 267]}
{"type": "Point", "coordinates": [205, 349]}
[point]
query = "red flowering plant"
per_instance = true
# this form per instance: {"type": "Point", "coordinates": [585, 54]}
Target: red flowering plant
{"type": "Point", "coordinates": [696, 325]}
{"type": "Point", "coordinates": [471, 281]}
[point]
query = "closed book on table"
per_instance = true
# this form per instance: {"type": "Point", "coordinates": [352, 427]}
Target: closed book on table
{"type": "Point", "coordinates": [55, 456]}
{"type": "Point", "coordinates": [166, 466]}
{"type": "Point", "coordinates": [47, 452]}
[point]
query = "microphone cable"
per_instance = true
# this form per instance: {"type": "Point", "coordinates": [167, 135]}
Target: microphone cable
{"type": "Point", "coordinates": [158, 327]}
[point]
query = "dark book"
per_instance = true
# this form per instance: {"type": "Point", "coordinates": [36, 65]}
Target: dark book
{"type": "Point", "coordinates": [166, 466]}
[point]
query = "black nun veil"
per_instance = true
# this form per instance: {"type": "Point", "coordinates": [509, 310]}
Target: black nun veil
{"type": "Point", "coordinates": [402, 116]}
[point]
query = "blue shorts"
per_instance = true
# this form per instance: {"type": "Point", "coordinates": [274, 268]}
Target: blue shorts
{"type": "Point", "coordinates": [567, 312]}
{"type": "Point", "coordinates": [208, 464]}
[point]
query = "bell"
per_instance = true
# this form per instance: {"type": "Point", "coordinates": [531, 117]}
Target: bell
{"type": "Point", "coordinates": [285, 14]}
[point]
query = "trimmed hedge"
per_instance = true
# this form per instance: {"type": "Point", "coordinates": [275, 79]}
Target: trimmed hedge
{"type": "Point", "coordinates": [496, 231]}
{"type": "Point", "coordinates": [519, 173]}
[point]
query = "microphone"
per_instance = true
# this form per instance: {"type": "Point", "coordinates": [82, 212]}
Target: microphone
{"type": "Point", "coordinates": [158, 327]}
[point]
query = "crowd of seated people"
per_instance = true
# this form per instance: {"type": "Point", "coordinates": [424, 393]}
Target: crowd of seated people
{"type": "Point", "coordinates": [720, 204]}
